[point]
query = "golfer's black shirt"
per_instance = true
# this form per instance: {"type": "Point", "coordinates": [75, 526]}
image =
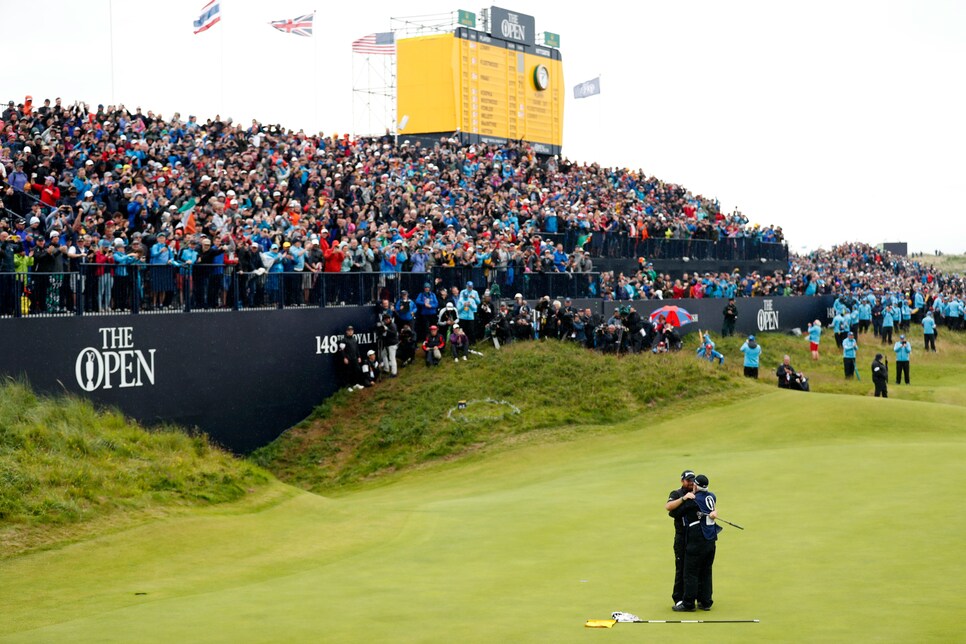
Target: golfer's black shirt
{"type": "Point", "coordinates": [679, 513]}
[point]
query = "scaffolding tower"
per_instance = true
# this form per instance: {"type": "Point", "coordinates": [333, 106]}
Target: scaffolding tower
{"type": "Point", "coordinates": [374, 75]}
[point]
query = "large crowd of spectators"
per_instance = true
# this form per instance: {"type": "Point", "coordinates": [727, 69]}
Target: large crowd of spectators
{"type": "Point", "coordinates": [171, 209]}
{"type": "Point", "coordinates": [110, 185]}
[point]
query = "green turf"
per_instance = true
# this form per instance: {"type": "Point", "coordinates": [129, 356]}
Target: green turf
{"type": "Point", "coordinates": [68, 470]}
{"type": "Point", "coordinates": [852, 534]}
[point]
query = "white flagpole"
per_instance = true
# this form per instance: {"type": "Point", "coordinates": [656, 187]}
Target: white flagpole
{"type": "Point", "coordinates": [110, 9]}
{"type": "Point", "coordinates": [600, 102]}
{"type": "Point", "coordinates": [221, 36]}
{"type": "Point", "coordinates": [315, 73]}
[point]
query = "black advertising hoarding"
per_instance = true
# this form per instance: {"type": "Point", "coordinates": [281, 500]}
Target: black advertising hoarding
{"type": "Point", "coordinates": [513, 26]}
{"type": "Point", "coordinates": [245, 377]}
{"type": "Point", "coordinates": [241, 377]}
{"type": "Point", "coordinates": [755, 314]}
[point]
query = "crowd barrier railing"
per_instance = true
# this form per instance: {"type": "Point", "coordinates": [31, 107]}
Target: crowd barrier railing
{"type": "Point", "coordinates": [101, 289]}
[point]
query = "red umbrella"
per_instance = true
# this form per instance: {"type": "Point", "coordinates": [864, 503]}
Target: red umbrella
{"type": "Point", "coordinates": [673, 314]}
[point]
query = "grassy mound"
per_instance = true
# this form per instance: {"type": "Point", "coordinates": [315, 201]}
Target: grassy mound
{"type": "Point", "coordinates": [64, 465]}
{"type": "Point", "coordinates": [558, 388]}
{"type": "Point", "coordinates": [561, 391]}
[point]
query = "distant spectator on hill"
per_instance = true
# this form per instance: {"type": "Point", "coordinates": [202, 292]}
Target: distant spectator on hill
{"type": "Point", "coordinates": [752, 352]}
{"type": "Point", "coordinates": [709, 353]}
{"type": "Point", "coordinates": [433, 346]}
{"type": "Point", "coordinates": [789, 377]}
{"type": "Point", "coordinates": [849, 347]}
{"type": "Point", "coordinates": [814, 338]}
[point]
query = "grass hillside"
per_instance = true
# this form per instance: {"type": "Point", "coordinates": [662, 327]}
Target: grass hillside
{"type": "Point", "coordinates": [946, 263]}
{"type": "Point", "coordinates": [561, 391]}
{"type": "Point", "coordinates": [66, 469]}
{"type": "Point", "coordinates": [526, 391]}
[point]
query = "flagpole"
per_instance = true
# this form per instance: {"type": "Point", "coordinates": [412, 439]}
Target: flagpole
{"type": "Point", "coordinates": [110, 9]}
{"type": "Point", "coordinates": [221, 39]}
{"type": "Point", "coordinates": [600, 102]}
{"type": "Point", "coordinates": [315, 72]}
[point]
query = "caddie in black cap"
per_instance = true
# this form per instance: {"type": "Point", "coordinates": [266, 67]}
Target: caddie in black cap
{"type": "Point", "coordinates": [701, 545]}
{"type": "Point", "coordinates": [680, 504]}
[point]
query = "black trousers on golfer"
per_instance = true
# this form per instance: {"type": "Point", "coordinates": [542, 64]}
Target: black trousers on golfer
{"type": "Point", "coordinates": [902, 367]}
{"type": "Point", "coordinates": [698, 562]}
{"type": "Point", "coordinates": [677, 593]}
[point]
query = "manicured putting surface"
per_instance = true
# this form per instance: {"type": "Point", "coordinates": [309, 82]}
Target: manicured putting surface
{"type": "Point", "coordinates": [853, 533]}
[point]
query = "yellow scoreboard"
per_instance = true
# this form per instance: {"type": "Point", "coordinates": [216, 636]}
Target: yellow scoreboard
{"type": "Point", "coordinates": [488, 89]}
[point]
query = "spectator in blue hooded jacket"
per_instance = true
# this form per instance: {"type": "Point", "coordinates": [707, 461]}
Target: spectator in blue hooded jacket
{"type": "Point", "coordinates": [752, 352]}
{"type": "Point", "coordinates": [903, 350]}
{"type": "Point", "coordinates": [708, 353]}
{"type": "Point", "coordinates": [466, 307]}
{"type": "Point", "coordinates": [427, 310]}
{"type": "Point", "coordinates": [814, 337]}
{"type": "Point", "coordinates": [887, 323]}
{"type": "Point", "coordinates": [849, 346]}
{"type": "Point", "coordinates": [929, 332]}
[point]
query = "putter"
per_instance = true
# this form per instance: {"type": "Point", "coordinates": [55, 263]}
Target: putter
{"type": "Point", "coordinates": [733, 525]}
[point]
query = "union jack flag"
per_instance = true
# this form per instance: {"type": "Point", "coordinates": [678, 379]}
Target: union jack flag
{"type": "Point", "coordinates": [301, 26]}
{"type": "Point", "coordinates": [381, 43]}
{"type": "Point", "coordinates": [210, 15]}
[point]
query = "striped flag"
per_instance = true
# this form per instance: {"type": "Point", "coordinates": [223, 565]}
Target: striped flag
{"type": "Point", "coordinates": [188, 220]}
{"type": "Point", "coordinates": [381, 43]}
{"type": "Point", "coordinates": [301, 26]}
{"type": "Point", "coordinates": [210, 15]}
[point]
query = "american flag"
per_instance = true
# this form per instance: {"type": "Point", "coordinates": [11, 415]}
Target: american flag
{"type": "Point", "coordinates": [210, 15]}
{"type": "Point", "coordinates": [301, 26]}
{"type": "Point", "coordinates": [381, 43]}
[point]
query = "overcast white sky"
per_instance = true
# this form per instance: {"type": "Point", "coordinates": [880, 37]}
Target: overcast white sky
{"type": "Point", "coordinates": [837, 120]}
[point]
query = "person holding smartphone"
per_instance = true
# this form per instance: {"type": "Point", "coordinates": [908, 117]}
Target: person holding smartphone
{"type": "Point", "coordinates": [903, 350]}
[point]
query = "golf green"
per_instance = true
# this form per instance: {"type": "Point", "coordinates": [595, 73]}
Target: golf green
{"type": "Point", "coordinates": [852, 534]}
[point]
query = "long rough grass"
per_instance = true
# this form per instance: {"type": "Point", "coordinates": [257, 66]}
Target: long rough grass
{"type": "Point", "coordinates": [63, 463]}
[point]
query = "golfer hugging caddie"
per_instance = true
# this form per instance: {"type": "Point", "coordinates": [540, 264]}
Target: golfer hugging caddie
{"type": "Point", "coordinates": [701, 538]}
{"type": "Point", "coordinates": [680, 503]}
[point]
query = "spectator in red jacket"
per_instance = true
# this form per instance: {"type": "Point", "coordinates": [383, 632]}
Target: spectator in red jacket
{"type": "Point", "coordinates": [433, 346]}
{"type": "Point", "coordinates": [334, 258]}
{"type": "Point", "coordinates": [48, 191]}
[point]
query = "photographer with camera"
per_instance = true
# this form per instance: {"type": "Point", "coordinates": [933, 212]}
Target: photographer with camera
{"type": "Point", "coordinates": [545, 314]}
{"type": "Point", "coordinates": [407, 344]}
{"type": "Point", "coordinates": [789, 378]}
{"type": "Point", "coordinates": [903, 350]}
{"type": "Point", "coordinates": [607, 338]}
{"type": "Point", "coordinates": [388, 344]}
{"type": "Point", "coordinates": [10, 246]}
{"type": "Point", "coordinates": [521, 322]}
{"type": "Point", "coordinates": [634, 326]}
{"type": "Point", "coordinates": [499, 327]}
{"type": "Point", "coordinates": [565, 320]}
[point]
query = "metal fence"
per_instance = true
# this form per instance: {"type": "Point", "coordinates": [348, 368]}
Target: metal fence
{"type": "Point", "coordinates": [102, 289]}
{"type": "Point", "coordinates": [731, 249]}
{"type": "Point", "coordinates": [622, 245]}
